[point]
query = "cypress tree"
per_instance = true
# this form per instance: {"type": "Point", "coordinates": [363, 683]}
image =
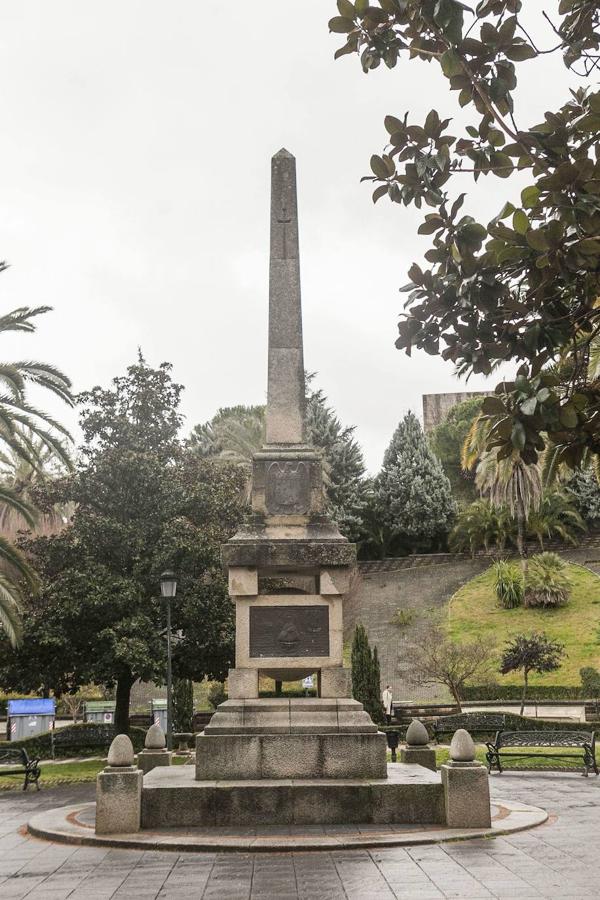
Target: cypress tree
{"type": "Point", "coordinates": [412, 493]}
{"type": "Point", "coordinates": [366, 676]}
{"type": "Point", "coordinates": [183, 704]}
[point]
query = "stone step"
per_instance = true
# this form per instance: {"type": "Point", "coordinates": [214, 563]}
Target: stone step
{"type": "Point", "coordinates": [298, 715]}
{"type": "Point", "coordinates": [171, 798]}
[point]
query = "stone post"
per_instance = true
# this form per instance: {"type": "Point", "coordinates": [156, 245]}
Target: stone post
{"type": "Point", "coordinates": [417, 748]}
{"type": "Point", "coordinates": [119, 791]}
{"type": "Point", "coordinates": [154, 753]}
{"type": "Point", "coordinates": [466, 786]}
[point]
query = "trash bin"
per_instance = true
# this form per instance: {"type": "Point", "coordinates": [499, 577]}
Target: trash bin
{"type": "Point", "coordinates": [99, 711]}
{"type": "Point", "coordinates": [26, 718]}
{"type": "Point", "coordinates": [158, 709]}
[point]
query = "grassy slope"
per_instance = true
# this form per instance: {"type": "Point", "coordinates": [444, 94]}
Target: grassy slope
{"type": "Point", "coordinates": [474, 610]}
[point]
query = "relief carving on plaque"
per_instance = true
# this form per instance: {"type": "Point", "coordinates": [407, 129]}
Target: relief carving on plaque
{"type": "Point", "coordinates": [288, 488]}
{"type": "Point", "coordinates": [294, 631]}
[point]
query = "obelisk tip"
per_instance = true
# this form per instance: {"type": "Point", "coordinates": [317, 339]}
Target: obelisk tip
{"type": "Point", "coordinates": [285, 154]}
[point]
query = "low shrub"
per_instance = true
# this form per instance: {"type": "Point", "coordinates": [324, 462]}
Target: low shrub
{"type": "Point", "coordinates": [508, 583]}
{"type": "Point", "coordinates": [494, 691]}
{"type": "Point", "coordinates": [590, 681]}
{"type": "Point", "coordinates": [217, 694]}
{"type": "Point", "coordinates": [402, 618]}
{"type": "Point", "coordinates": [548, 584]}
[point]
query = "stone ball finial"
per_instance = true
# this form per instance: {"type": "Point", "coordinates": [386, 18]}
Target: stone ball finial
{"type": "Point", "coordinates": [155, 738]}
{"type": "Point", "coordinates": [416, 734]}
{"type": "Point", "coordinates": [121, 752]}
{"type": "Point", "coordinates": [462, 748]}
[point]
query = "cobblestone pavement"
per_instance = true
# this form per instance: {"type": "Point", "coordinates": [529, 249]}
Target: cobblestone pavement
{"type": "Point", "coordinates": [557, 860]}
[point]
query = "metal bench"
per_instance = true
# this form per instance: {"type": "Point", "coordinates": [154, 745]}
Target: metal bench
{"type": "Point", "coordinates": [507, 743]}
{"type": "Point", "coordinates": [17, 762]}
{"type": "Point", "coordinates": [473, 722]}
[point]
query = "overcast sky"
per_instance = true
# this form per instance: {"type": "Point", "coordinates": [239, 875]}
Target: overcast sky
{"type": "Point", "coordinates": [134, 195]}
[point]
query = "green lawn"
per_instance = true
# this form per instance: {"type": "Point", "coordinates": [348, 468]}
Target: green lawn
{"type": "Point", "coordinates": [475, 611]}
{"type": "Point", "coordinates": [54, 773]}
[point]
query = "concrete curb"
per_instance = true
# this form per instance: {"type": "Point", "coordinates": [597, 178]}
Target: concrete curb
{"type": "Point", "coordinates": [71, 825]}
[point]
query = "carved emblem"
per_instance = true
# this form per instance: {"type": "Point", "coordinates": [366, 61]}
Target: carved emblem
{"type": "Point", "coordinates": [293, 631]}
{"type": "Point", "coordinates": [288, 489]}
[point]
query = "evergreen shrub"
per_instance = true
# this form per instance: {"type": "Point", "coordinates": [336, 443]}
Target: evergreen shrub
{"type": "Point", "coordinates": [548, 584]}
{"type": "Point", "coordinates": [366, 675]}
{"type": "Point", "coordinates": [508, 583]}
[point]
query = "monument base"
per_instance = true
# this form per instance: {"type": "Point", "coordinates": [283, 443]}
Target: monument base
{"type": "Point", "coordinates": [172, 798]}
{"type": "Point", "coordinates": [299, 715]}
{"type": "Point", "coordinates": [240, 757]}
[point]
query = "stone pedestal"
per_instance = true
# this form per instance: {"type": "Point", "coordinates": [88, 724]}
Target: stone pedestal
{"type": "Point", "coordinates": [150, 759]}
{"type": "Point", "coordinates": [118, 800]}
{"type": "Point", "coordinates": [422, 756]}
{"type": "Point", "coordinates": [242, 684]}
{"type": "Point", "coordinates": [335, 682]}
{"type": "Point", "coordinates": [466, 795]}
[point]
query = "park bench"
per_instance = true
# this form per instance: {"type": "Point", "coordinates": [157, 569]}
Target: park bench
{"type": "Point", "coordinates": [487, 723]}
{"type": "Point", "coordinates": [508, 745]}
{"type": "Point", "coordinates": [17, 762]}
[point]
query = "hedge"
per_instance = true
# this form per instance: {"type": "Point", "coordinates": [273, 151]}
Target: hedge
{"type": "Point", "coordinates": [491, 692]}
{"type": "Point", "coordinates": [513, 722]}
{"type": "Point", "coordinates": [85, 739]}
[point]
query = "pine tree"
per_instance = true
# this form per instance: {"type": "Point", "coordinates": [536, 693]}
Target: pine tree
{"type": "Point", "coordinates": [412, 494]}
{"type": "Point", "coordinates": [346, 486]}
{"type": "Point", "coordinates": [366, 675]}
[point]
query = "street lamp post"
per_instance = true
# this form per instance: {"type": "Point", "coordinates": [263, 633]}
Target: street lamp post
{"type": "Point", "coordinates": [168, 589]}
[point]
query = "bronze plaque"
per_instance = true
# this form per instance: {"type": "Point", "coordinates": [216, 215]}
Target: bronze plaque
{"type": "Point", "coordinates": [289, 631]}
{"type": "Point", "coordinates": [288, 488]}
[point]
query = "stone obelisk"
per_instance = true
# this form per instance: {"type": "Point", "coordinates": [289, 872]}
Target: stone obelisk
{"type": "Point", "coordinates": [289, 570]}
{"type": "Point", "coordinates": [286, 391]}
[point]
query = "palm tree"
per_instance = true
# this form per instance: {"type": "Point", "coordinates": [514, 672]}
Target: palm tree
{"type": "Point", "coordinates": [516, 486]}
{"type": "Point", "coordinates": [21, 477]}
{"type": "Point", "coordinates": [556, 517]}
{"type": "Point", "coordinates": [26, 433]}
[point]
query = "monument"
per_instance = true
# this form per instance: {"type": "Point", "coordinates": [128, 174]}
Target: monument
{"type": "Point", "coordinates": [285, 761]}
{"type": "Point", "coordinates": [289, 569]}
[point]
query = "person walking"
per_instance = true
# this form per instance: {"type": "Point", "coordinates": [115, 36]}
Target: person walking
{"type": "Point", "coordinates": [387, 704]}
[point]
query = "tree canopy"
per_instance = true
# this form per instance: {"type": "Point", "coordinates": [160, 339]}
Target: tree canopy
{"type": "Point", "coordinates": [524, 286]}
{"type": "Point", "coordinates": [143, 505]}
{"type": "Point", "coordinates": [412, 495]}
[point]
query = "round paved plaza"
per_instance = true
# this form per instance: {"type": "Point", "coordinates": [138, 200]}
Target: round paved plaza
{"type": "Point", "coordinates": [558, 859]}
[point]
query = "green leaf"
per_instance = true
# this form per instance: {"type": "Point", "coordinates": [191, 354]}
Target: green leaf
{"type": "Point", "coordinates": [378, 167]}
{"type": "Point", "coordinates": [380, 192]}
{"type": "Point", "coordinates": [393, 124]}
{"type": "Point", "coordinates": [346, 9]}
{"type": "Point", "coordinates": [536, 240]}
{"type": "Point", "coordinates": [432, 124]}
{"type": "Point", "coordinates": [520, 221]}
{"type": "Point", "coordinates": [520, 52]}
{"type": "Point", "coordinates": [528, 407]}
{"type": "Point", "coordinates": [451, 63]}
{"type": "Point", "coordinates": [589, 247]}
{"type": "Point", "coordinates": [530, 196]}
{"type": "Point", "coordinates": [361, 6]}
{"type": "Point", "coordinates": [507, 210]}
{"type": "Point", "coordinates": [493, 406]}
{"type": "Point", "coordinates": [341, 25]}
{"type": "Point", "coordinates": [568, 416]}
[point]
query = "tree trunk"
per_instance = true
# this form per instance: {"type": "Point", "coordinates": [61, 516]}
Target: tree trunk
{"type": "Point", "coordinates": [456, 695]}
{"type": "Point", "coordinates": [124, 685]}
{"type": "Point", "coordinates": [521, 543]}
{"type": "Point", "coordinates": [524, 694]}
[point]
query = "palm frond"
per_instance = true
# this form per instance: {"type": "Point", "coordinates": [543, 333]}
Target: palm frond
{"type": "Point", "coordinates": [20, 319]}
{"type": "Point", "coordinates": [10, 610]}
{"type": "Point", "coordinates": [24, 407]}
{"type": "Point", "coordinates": [14, 559]}
{"type": "Point", "coordinates": [12, 378]}
{"type": "Point", "coordinates": [47, 376]}
{"type": "Point", "coordinates": [12, 500]}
